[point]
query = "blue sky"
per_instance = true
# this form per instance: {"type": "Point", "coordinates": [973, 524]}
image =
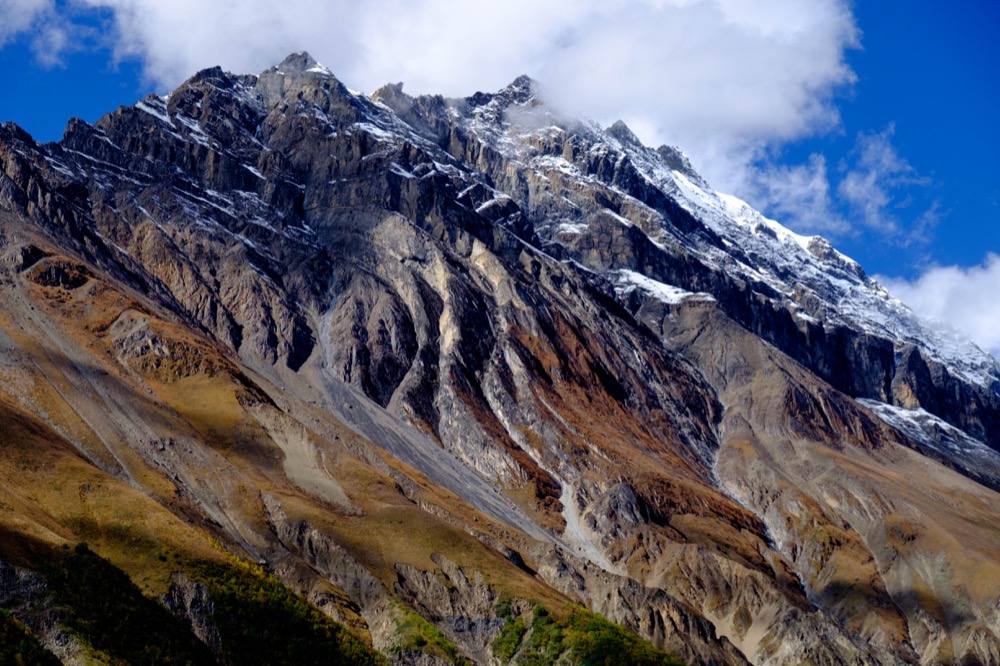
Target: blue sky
{"type": "Point", "coordinates": [870, 122]}
{"type": "Point", "coordinates": [931, 71]}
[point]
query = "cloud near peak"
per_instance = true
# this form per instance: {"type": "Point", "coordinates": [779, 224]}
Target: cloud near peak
{"type": "Point", "coordinates": [720, 78]}
{"type": "Point", "coordinates": [728, 81]}
{"type": "Point", "coordinates": [957, 297]}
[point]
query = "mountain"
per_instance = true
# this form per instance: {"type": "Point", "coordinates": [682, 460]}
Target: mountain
{"type": "Point", "coordinates": [461, 372]}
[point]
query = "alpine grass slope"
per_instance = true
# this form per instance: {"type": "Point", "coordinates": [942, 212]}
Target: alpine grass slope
{"type": "Point", "coordinates": [419, 380]}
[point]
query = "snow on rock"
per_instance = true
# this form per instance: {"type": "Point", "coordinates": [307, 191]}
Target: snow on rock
{"type": "Point", "coordinates": [844, 293]}
{"type": "Point", "coordinates": [626, 281]}
{"type": "Point", "coordinates": [571, 228]}
{"type": "Point", "coordinates": [319, 69]}
{"type": "Point", "coordinates": [928, 430]}
{"type": "Point", "coordinates": [156, 107]}
{"type": "Point", "coordinates": [818, 285]}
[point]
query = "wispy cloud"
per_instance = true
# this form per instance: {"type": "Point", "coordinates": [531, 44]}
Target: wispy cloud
{"type": "Point", "coordinates": [51, 42]}
{"type": "Point", "coordinates": [20, 16]}
{"type": "Point", "coordinates": [874, 185]}
{"type": "Point", "coordinates": [799, 195]}
{"type": "Point", "coordinates": [872, 190]}
{"type": "Point", "coordinates": [50, 27]}
{"type": "Point", "coordinates": [957, 297]}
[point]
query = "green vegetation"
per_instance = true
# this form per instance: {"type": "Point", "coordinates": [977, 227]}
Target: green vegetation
{"type": "Point", "coordinates": [545, 642]}
{"type": "Point", "coordinates": [415, 634]}
{"type": "Point", "coordinates": [507, 642]}
{"type": "Point", "coordinates": [19, 647]}
{"type": "Point", "coordinates": [110, 615]}
{"type": "Point", "coordinates": [581, 637]}
{"type": "Point", "coordinates": [593, 641]}
{"type": "Point", "coordinates": [261, 621]}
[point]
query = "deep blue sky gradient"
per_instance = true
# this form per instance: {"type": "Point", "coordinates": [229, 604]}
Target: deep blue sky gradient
{"type": "Point", "coordinates": [86, 85]}
{"type": "Point", "coordinates": [932, 70]}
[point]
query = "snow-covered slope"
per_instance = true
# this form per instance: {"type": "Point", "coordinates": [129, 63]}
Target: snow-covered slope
{"type": "Point", "coordinates": [656, 226]}
{"type": "Point", "coordinates": [827, 285]}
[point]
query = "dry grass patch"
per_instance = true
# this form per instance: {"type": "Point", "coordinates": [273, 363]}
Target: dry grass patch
{"type": "Point", "coordinates": [52, 494]}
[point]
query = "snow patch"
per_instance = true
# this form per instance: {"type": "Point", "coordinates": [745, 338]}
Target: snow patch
{"type": "Point", "coordinates": [59, 166]}
{"type": "Point", "coordinates": [571, 227]}
{"type": "Point", "coordinates": [254, 171]}
{"type": "Point", "coordinates": [400, 171]}
{"type": "Point", "coordinates": [928, 430]}
{"type": "Point", "coordinates": [375, 131]}
{"type": "Point", "coordinates": [627, 281]}
{"type": "Point", "coordinates": [143, 106]}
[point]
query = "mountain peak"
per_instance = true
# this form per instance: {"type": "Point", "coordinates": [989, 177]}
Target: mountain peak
{"type": "Point", "coordinates": [523, 85]}
{"type": "Point", "coordinates": [295, 72]}
{"type": "Point", "coordinates": [296, 63]}
{"type": "Point", "coordinates": [678, 160]}
{"type": "Point", "coordinates": [521, 90]}
{"type": "Point", "coordinates": [623, 133]}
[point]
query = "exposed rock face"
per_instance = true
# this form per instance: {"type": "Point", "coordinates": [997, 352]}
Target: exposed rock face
{"type": "Point", "coordinates": [629, 389]}
{"type": "Point", "coordinates": [337, 566]}
{"type": "Point", "coordinates": [192, 602]}
{"type": "Point", "coordinates": [465, 607]}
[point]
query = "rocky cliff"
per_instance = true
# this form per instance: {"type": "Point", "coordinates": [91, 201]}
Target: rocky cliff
{"type": "Point", "coordinates": [438, 362]}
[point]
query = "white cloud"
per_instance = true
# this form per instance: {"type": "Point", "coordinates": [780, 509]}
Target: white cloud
{"type": "Point", "coordinates": [50, 28]}
{"type": "Point", "coordinates": [52, 41]}
{"type": "Point", "coordinates": [957, 297]}
{"type": "Point", "coordinates": [175, 39]}
{"type": "Point", "coordinates": [872, 190]}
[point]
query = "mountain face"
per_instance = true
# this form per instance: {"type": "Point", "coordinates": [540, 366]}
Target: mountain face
{"type": "Point", "coordinates": [446, 366]}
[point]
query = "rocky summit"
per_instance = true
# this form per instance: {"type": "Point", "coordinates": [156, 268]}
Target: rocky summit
{"type": "Point", "coordinates": [293, 374]}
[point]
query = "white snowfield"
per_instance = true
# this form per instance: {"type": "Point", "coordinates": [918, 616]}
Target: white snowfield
{"type": "Point", "coordinates": [626, 281]}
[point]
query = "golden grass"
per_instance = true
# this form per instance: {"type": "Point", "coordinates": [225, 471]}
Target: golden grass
{"type": "Point", "coordinates": [52, 495]}
{"type": "Point", "coordinates": [391, 529]}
